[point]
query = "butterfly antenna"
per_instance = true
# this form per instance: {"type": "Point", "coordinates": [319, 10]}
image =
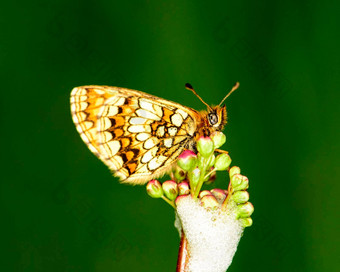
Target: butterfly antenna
{"type": "Point", "coordinates": [231, 91]}
{"type": "Point", "coordinates": [190, 88]}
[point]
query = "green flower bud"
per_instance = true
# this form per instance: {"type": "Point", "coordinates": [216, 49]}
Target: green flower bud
{"type": "Point", "coordinates": [154, 189]}
{"type": "Point", "coordinates": [245, 210]}
{"type": "Point", "coordinates": [194, 177]}
{"type": "Point", "coordinates": [180, 198]}
{"type": "Point", "coordinates": [204, 193]}
{"type": "Point", "coordinates": [211, 178]}
{"type": "Point", "coordinates": [200, 161]}
{"type": "Point", "coordinates": [187, 160]}
{"type": "Point", "coordinates": [240, 196]}
{"type": "Point", "coordinates": [179, 174]}
{"type": "Point", "coordinates": [205, 161]}
{"type": "Point", "coordinates": [209, 202]}
{"type": "Point", "coordinates": [170, 189]}
{"type": "Point", "coordinates": [239, 182]}
{"type": "Point", "coordinates": [218, 138]}
{"type": "Point", "coordinates": [219, 194]}
{"type": "Point", "coordinates": [246, 222]}
{"type": "Point", "coordinates": [211, 160]}
{"type": "Point", "coordinates": [183, 188]}
{"type": "Point", "coordinates": [222, 162]}
{"type": "Point", "coordinates": [205, 146]}
{"type": "Point", "coordinates": [234, 170]}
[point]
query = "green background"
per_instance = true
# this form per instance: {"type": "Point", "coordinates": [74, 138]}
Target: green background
{"type": "Point", "coordinates": [61, 208]}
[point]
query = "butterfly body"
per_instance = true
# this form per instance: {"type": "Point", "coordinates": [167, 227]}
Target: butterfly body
{"type": "Point", "coordinates": [137, 135]}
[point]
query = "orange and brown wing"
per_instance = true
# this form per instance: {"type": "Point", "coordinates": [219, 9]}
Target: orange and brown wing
{"type": "Point", "coordinates": [136, 135]}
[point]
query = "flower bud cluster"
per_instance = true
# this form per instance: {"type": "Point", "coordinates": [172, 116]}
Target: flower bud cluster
{"type": "Point", "coordinates": [169, 189]}
{"type": "Point", "coordinates": [239, 197]}
{"type": "Point", "coordinates": [212, 199]}
{"type": "Point", "coordinates": [193, 170]}
{"type": "Point", "coordinates": [201, 167]}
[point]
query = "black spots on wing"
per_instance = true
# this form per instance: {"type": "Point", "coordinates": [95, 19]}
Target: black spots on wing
{"type": "Point", "coordinates": [129, 155]}
{"type": "Point", "coordinates": [127, 100]}
{"type": "Point", "coordinates": [113, 122]}
{"type": "Point", "coordinates": [135, 152]}
{"type": "Point", "coordinates": [113, 134]}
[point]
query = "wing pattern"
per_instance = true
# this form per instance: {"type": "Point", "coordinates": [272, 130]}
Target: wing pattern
{"type": "Point", "coordinates": [137, 135]}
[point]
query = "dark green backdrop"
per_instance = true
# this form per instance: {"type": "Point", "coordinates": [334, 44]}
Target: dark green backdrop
{"type": "Point", "coordinates": [61, 210]}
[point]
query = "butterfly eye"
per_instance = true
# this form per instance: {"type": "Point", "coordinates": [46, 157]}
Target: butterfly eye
{"type": "Point", "coordinates": [213, 119]}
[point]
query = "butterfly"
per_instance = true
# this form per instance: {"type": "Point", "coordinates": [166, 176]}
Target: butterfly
{"type": "Point", "coordinates": [137, 135]}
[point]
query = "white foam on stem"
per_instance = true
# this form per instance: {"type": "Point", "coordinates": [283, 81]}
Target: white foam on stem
{"type": "Point", "coordinates": [212, 236]}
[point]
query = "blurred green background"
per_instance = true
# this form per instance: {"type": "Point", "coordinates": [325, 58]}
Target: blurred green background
{"type": "Point", "coordinates": [61, 208]}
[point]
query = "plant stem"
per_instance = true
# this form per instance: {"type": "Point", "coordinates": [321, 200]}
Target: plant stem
{"type": "Point", "coordinates": [169, 202]}
{"type": "Point", "coordinates": [226, 201]}
{"type": "Point", "coordinates": [183, 255]}
{"type": "Point", "coordinates": [207, 175]}
{"type": "Point", "coordinates": [201, 181]}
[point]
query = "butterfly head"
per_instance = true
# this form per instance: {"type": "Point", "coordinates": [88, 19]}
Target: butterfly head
{"type": "Point", "coordinates": [217, 117]}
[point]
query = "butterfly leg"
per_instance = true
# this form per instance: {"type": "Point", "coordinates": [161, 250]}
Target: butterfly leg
{"type": "Point", "coordinates": [221, 151]}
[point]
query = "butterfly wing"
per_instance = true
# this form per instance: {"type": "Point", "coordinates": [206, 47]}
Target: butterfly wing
{"type": "Point", "coordinates": [137, 135]}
